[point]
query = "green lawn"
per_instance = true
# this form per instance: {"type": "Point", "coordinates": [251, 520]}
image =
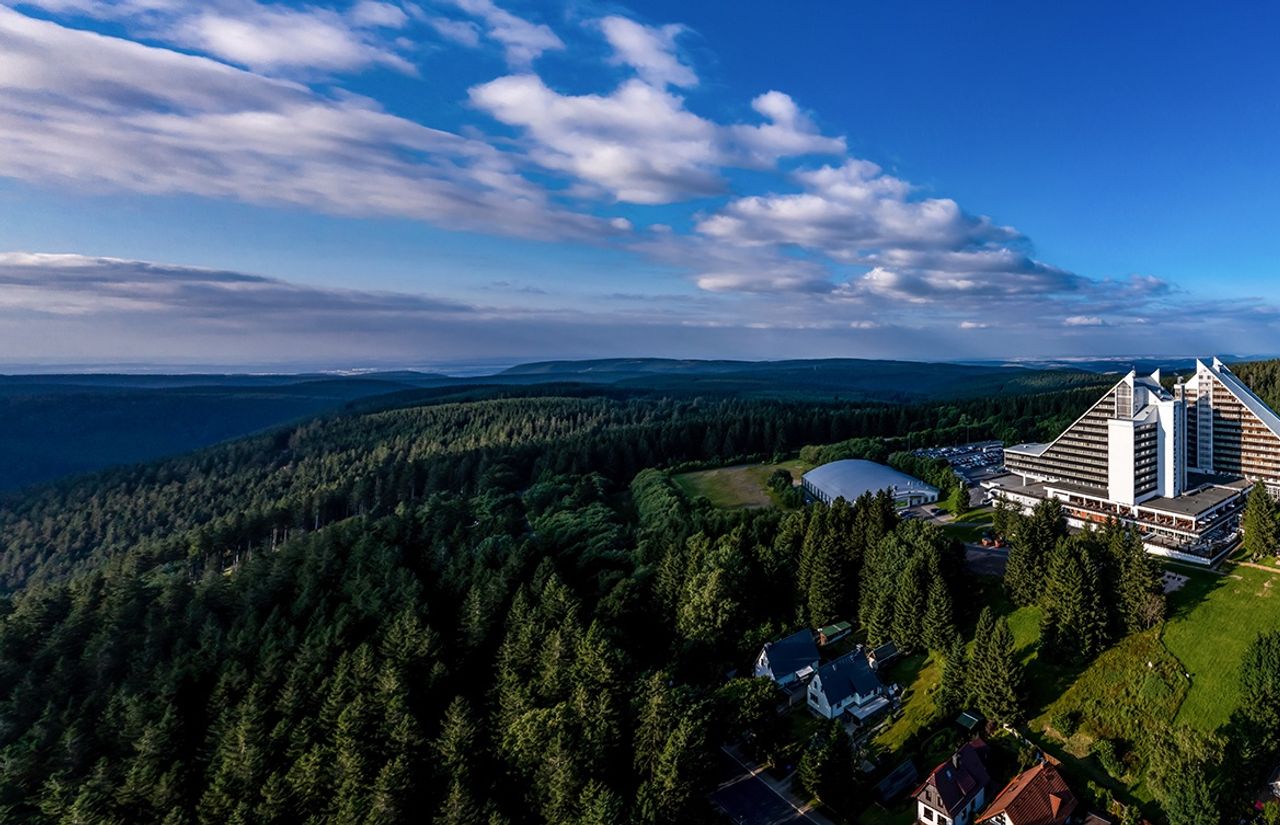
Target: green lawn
{"type": "Point", "coordinates": [737, 487]}
{"type": "Point", "coordinates": [1214, 619]}
{"type": "Point", "coordinates": [919, 675]}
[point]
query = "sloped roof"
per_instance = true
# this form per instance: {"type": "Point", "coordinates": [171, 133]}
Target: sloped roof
{"type": "Point", "coordinates": [1038, 796]}
{"type": "Point", "coordinates": [850, 478]}
{"type": "Point", "coordinates": [1245, 395]}
{"type": "Point", "coordinates": [953, 784]}
{"type": "Point", "coordinates": [792, 654]}
{"type": "Point", "coordinates": [846, 676]}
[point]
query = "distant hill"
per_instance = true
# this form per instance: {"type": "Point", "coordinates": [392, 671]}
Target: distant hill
{"type": "Point", "coordinates": [845, 379]}
{"type": "Point", "coordinates": [52, 426]}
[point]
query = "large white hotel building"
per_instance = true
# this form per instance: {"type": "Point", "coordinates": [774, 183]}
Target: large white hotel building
{"type": "Point", "coordinates": [1177, 464]}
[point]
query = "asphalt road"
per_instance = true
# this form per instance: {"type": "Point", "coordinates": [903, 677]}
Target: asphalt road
{"type": "Point", "coordinates": [747, 800]}
{"type": "Point", "coordinates": [985, 561]}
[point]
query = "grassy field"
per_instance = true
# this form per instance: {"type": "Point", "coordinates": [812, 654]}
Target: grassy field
{"type": "Point", "coordinates": [1213, 620]}
{"type": "Point", "coordinates": [970, 526]}
{"type": "Point", "coordinates": [741, 486]}
{"type": "Point", "coordinates": [919, 676]}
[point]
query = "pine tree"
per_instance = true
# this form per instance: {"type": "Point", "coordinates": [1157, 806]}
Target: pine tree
{"type": "Point", "coordinates": [828, 582]}
{"type": "Point", "coordinates": [909, 606]}
{"type": "Point", "coordinates": [953, 691]}
{"type": "Point", "coordinates": [980, 668]}
{"type": "Point", "coordinates": [1260, 526]}
{"type": "Point", "coordinates": [939, 626]}
{"type": "Point", "coordinates": [826, 767]}
{"type": "Point", "coordinates": [1036, 538]}
{"type": "Point", "coordinates": [1001, 697]}
{"type": "Point", "coordinates": [1138, 582]}
{"type": "Point", "coordinates": [1074, 620]}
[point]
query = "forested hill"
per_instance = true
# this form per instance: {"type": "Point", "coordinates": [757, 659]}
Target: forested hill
{"type": "Point", "coordinates": [487, 611]}
{"type": "Point", "coordinates": [209, 506]}
{"type": "Point", "coordinates": [58, 425]}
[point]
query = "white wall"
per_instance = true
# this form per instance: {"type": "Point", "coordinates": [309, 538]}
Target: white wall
{"type": "Point", "coordinates": [1120, 460]}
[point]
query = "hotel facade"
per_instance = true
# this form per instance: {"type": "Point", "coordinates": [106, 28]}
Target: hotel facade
{"type": "Point", "coordinates": [1176, 463]}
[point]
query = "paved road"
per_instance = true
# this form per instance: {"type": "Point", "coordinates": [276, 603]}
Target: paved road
{"type": "Point", "coordinates": [985, 561]}
{"type": "Point", "coordinates": [748, 800]}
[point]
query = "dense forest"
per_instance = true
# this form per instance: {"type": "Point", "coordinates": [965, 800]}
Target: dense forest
{"type": "Point", "coordinates": [486, 611]}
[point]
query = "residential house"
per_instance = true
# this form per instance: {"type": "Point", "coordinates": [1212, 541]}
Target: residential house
{"type": "Point", "coordinates": [957, 789]}
{"type": "Point", "coordinates": [788, 660]}
{"type": "Point", "coordinates": [847, 685]}
{"type": "Point", "coordinates": [1038, 796]}
{"type": "Point", "coordinates": [881, 655]}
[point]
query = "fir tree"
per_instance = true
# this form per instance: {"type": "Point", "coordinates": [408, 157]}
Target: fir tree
{"type": "Point", "coordinates": [1073, 623]}
{"type": "Point", "coordinates": [939, 625]}
{"type": "Point", "coordinates": [1260, 526]}
{"type": "Point", "coordinates": [1028, 553]}
{"type": "Point", "coordinates": [953, 691]}
{"type": "Point", "coordinates": [909, 606]}
{"type": "Point", "coordinates": [999, 688]}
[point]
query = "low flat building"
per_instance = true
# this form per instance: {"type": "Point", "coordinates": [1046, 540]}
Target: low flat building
{"type": "Point", "coordinates": [851, 478]}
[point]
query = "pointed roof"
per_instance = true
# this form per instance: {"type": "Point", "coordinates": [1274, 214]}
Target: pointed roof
{"type": "Point", "coordinates": [956, 782]}
{"type": "Point", "coordinates": [1243, 394]}
{"type": "Point", "coordinates": [843, 677]}
{"type": "Point", "coordinates": [1038, 796]}
{"type": "Point", "coordinates": [792, 654]}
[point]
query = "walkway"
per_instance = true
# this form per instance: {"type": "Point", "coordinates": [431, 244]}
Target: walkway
{"type": "Point", "coordinates": [750, 796]}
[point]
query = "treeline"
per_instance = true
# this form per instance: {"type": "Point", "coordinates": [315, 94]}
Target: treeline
{"type": "Point", "coordinates": [217, 506]}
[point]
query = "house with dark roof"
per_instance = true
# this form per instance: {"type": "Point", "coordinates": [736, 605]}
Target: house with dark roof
{"type": "Point", "coordinates": [788, 660]}
{"type": "Point", "coordinates": [955, 790]}
{"type": "Point", "coordinates": [1038, 796]}
{"type": "Point", "coordinates": [881, 655]}
{"type": "Point", "coordinates": [847, 685]}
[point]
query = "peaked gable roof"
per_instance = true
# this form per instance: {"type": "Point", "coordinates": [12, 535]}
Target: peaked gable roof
{"type": "Point", "coordinates": [792, 654]}
{"type": "Point", "coordinates": [956, 782]}
{"type": "Point", "coordinates": [846, 676]}
{"type": "Point", "coordinates": [1038, 796]}
{"type": "Point", "coordinates": [1243, 394]}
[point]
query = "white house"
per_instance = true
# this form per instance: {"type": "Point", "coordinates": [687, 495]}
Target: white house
{"type": "Point", "coordinates": [846, 685]}
{"type": "Point", "coordinates": [788, 660]}
{"type": "Point", "coordinates": [955, 790]}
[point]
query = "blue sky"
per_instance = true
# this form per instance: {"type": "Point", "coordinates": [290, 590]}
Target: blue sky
{"type": "Point", "coordinates": [388, 183]}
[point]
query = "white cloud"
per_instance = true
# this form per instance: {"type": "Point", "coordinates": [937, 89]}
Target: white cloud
{"type": "Point", "coordinates": [462, 32]}
{"type": "Point", "coordinates": [379, 14]}
{"type": "Point", "coordinates": [788, 133]}
{"type": "Point", "coordinates": [522, 41]}
{"type": "Point", "coordinates": [650, 50]}
{"type": "Point", "coordinates": [274, 39]}
{"type": "Point", "coordinates": [263, 37]}
{"type": "Point", "coordinates": [639, 143]}
{"type": "Point", "coordinates": [90, 111]}
{"type": "Point", "coordinates": [973, 325]}
{"type": "Point", "coordinates": [1084, 321]}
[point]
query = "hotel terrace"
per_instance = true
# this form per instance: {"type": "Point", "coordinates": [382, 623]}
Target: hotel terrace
{"type": "Point", "coordinates": [1176, 464]}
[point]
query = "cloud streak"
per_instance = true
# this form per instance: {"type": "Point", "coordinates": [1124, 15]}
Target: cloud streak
{"type": "Point", "coordinates": [592, 134]}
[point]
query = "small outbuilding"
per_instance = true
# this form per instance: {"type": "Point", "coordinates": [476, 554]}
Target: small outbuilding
{"type": "Point", "coordinates": [833, 632]}
{"type": "Point", "coordinates": [850, 478]}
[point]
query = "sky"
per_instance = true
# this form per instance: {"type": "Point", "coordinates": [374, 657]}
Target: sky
{"type": "Point", "coordinates": [408, 183]}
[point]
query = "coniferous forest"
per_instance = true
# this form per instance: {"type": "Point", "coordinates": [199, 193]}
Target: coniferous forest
{"type": "Point", "coordinates": [493, 610]}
